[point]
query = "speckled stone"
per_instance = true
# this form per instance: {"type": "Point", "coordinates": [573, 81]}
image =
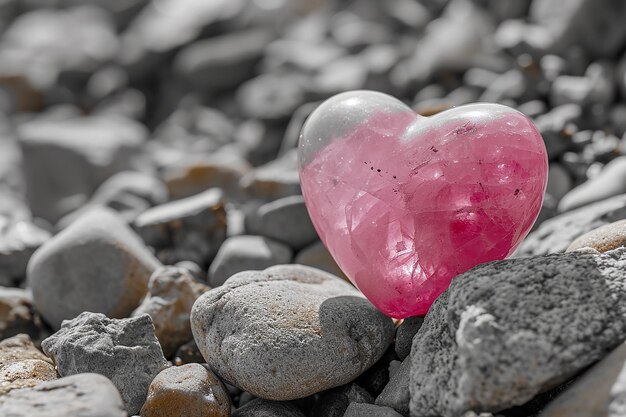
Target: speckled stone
{"type": "Point", "coordinates": [288, 332]}
{"type": "Point", "coordinates": [82, 395]}
{"type": "Point", "coordinates": [188, 390]}
{"type": "Point", "coordinates": [22, 365]}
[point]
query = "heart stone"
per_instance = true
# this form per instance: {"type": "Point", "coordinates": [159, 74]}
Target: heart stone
{"type": "Point", "coordinates": [404, 203]}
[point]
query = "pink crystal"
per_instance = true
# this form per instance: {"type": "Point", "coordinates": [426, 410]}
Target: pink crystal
{"type": "Point", "coordinates": [405, 203]}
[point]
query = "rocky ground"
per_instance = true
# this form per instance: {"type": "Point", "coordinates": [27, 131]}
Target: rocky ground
{"type": "Point", "coordinates": [156, 256]}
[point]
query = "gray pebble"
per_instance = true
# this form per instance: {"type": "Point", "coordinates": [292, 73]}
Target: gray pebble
{"type": "Point", "coordinates": [246, 252]}
{"type": "Point", "coordinates": [288, 332]}
{"type": "Point", "coordinates": [317, 256]}
{"type": "Point", "coordinates": [367, 410]}
{"type": "Point", "coordinates": [96, 264]}
{"type": "Point", "coordinates": [273, 180]}
{"type": "Point", "coordinates": [285, 220]}
{"type": "Point", "coordinates": [171, 294]}
{"type": "Point", "coordinates": [18, 241]}
{"type": "Point", "coordinates": [395, 395]}
{"type": "Point", "coordinates": [334, 402]}
{"type": "Point", "coordinates": [62, 168]}
{"type": "Point", "coordinates": [126, 351]}
{"type": "Point", "coordinates": [404, 335]}
{"type": "Point", "coordinates": [84, 395]}
{"type": "Point", "coordinates": [264, 408]}
{"type": "Point", "coordinates": [191, 229]}
{"type": "Point", "coordinates": [506, 331]}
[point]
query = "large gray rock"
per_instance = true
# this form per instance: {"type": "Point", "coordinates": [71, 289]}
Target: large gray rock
{"type": "Point", "coordinates": [190, 229]}
{"type": "Point", "coordinates": [508, 330]}
{"type": "Point", "coordinates": [288, 332]}
{"type": "Point", "coordinates": [96, 264]}
{"type": "Point", "coordinates": [82, 395]}
{"type": "Point", "coordinates": [126, 351]}
{"type": "Point", "coordinates": [556, 234]}
{"type": "Point", "coordinates": [600, 392]}
{"type": "Point", "coordinates": [242, 253]}
{"type": "Point", "coordinates": [285, 220]}
{"type": "Point", "coordinates": [65, 160]}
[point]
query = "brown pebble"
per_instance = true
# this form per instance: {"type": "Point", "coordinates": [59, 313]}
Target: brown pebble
{"type": "Point", "coordinates": [602, 239]}
{"type": "Point", "coordinates": [22, 365]}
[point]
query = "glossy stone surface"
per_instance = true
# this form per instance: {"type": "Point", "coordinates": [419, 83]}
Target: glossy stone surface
{"type": "Point", "coordinates": [405, 203]}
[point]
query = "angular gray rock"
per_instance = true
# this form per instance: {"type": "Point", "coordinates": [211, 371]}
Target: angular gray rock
{"type": "Point", "coordinates": [84, 395]}
{"type": "Point", "coordinates": [190, 229]}
{"type": "Point", "coordinates": [600, 392]}
{"type": "Point", "coordinates": [18, 242]}
{"type": "Point", "coordinates": [556, 234]}
{"type": "Point", "coordinates": [242, 253]}
{"type": "Point", "coordinates": [125, 351]}
{"type": "Point", "coordinates": [263, 408]}
{"type": "Point", "coordinates": [285, 220]}
{"type": "Point", "coordinates": [508, 330]}
{"type": "Point", "coordinates": [65, 160]}
{"type": "Point", "coordinates": [96, 264]}
{"type": "Point", "coordinates": [288, 332]}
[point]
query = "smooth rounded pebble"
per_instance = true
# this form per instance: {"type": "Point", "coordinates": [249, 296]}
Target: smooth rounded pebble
{"type": "Point", "coordinates": [602, 239]}
{"type": "Point", "coordinates": [289, 331]}
{"type": "Point", "coordinates": [96, 264]}
{"type": "Point", "coordinates": [82, 395]}
{"type": "Point", "coordinates": [263, 408]}
{"type": "Point", "coordinates": [242, 253]}
{"type": "Point", "coordinates": [189, 390]}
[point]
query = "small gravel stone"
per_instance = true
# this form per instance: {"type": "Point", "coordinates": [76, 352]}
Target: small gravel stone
{"type": "Point", "coordinates": [404, 335]}
{"type": "Point", "coordinates": [189, 390]}
{"type": "Point", "coordinates": [171, 294]}
{"type": "Point", "coordinates": [273, 180]}
{"type": "Point", "coordinates": [396, 392]}
{"type": "Point", "coordinates": [285, 220]}
{"type": "Point", "coordinates": [508, 330]}
{"type": "Point", "coordinates": [126, 351]}
{"type": "Point", "coordinates": [188, 353]}
{"type": "Point", "coordinates": [96, 264]}
{"type": "Point", "coordinates": [555, 234]}
{"type": "Point", "coordinates": [264, 408]}
{"type": "Point", "coordinates": [367, 410]}
{"type": "Point", "coordinates": [288, 332]}
{"type": "Point", "coordinates": [377, 376]}
{"type": "Point", "coordinates": [241, 253]}
{"type": "Point", "coordinates": [84, 395]}
{"type": "Point", "coordinates": [600, 392]}
{"type": "Point", "coordinates": [17, 314]}
{"type": "Point", "coordinates": [18, 242]}
{"type": "Point", "coordinates": [317, 256]}
{"type": "Point", "coordinates": [334, 402]}
{"type": "Point", "coordinates": [22, 365]}
{"type": "Point", "coordinates": [188, 229]}
{"type": "Point", "coordinates": [602, 239]}
{"type": "Point", "coordinates": [610, 182]}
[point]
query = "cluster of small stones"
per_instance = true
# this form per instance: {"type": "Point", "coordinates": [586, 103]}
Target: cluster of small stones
{"type": "Point", "coordinates": [156, 256]}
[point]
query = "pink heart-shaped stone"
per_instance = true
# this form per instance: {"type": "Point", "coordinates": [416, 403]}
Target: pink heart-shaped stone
{"type": "Point", "coordinates": [405, 203]}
